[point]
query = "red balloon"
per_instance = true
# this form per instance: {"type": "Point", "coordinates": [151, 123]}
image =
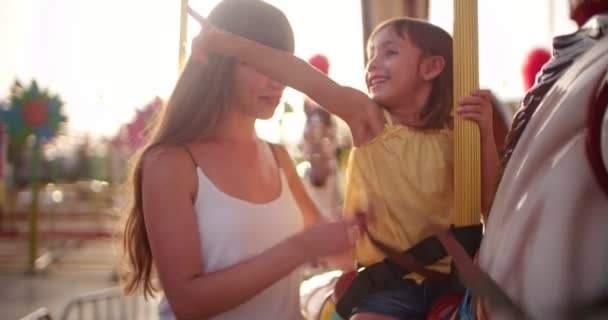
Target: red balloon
{"type": "Point", "coordinates": [320, 62]}
{"type": "Point", "coordinates": [535, 60]}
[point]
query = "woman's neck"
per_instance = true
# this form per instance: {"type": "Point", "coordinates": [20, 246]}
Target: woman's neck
{"type": "Point", "coordinates": [235, 127]}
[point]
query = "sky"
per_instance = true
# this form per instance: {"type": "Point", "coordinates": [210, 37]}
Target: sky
{"type": "Point", "coordinates": [105, 58]}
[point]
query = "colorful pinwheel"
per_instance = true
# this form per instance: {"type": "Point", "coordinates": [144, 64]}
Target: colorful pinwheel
{"type": "Point", "coordinates": [32, 111]}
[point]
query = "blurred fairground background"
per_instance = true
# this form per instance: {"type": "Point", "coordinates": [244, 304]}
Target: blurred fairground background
{"type": "Point", "coordinates": [80, 81]}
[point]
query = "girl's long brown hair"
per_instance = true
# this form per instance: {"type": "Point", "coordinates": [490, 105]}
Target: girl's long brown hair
{"type": "Point", "coordinates": [194, 108]}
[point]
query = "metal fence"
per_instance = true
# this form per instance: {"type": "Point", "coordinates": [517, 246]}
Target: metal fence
{"type": "Point", "coordinates": [110, 304]}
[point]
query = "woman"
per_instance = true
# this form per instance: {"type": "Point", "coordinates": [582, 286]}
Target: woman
{"type": "Point", "coordinates": [218, 213]}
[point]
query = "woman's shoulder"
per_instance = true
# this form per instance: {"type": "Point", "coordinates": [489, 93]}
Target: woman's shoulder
{"type": "Point", "coordinates": [164, 154]}
{"type": "Point", "coordinates": [169, 165]}
{"type": "Point", "coordinates": [170, 162]}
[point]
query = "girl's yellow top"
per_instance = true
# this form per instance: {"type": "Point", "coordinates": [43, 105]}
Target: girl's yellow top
{"type": "Point", "coordinates": [406, 176]}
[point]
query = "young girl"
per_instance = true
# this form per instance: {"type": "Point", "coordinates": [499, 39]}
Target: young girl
{"type": "Point", "coordinates": [217, 212]}
{"type": "Point", "coordinates": [402, 163]}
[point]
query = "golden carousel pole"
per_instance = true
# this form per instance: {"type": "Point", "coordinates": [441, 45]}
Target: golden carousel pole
{"type": "Point", "coordinates": [467, 149]}
{"type": "Point", "coordinates": [467, 160]}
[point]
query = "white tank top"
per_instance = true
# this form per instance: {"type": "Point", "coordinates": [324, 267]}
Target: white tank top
{"type": "Point", "coordinates": [232, 230]}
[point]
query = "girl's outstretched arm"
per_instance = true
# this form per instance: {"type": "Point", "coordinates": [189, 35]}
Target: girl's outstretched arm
{"type": "Point", "coordinates": [362, 115]}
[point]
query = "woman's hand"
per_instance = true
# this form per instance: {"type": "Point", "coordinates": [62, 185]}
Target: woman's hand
{"type": "Point", "coordinates": [326, 239]}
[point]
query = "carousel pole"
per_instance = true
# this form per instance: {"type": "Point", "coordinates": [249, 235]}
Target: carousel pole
{"type": "Point", "coordinates": [467, 149]}
{"type": "Point", "coordinates": [3, 198]}
{"type": "Point", "coordinates": [33, 116]}
{"type": "Point", "coordinates": [34, 209]}
{"type": "Point", "coordinates": [183, 33]}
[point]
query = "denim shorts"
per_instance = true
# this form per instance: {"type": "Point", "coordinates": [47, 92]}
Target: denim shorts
{"type": "Point", "coordinates": [407, 300]}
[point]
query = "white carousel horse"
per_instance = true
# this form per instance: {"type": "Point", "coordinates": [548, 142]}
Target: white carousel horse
{"type": "Point", "coordinates": [546, 241]}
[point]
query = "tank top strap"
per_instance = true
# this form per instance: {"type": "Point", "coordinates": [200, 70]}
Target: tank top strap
{"type": "Point", "coordinates": [191, 156]}
{"type": "Point", "coordinates": [272, 147]}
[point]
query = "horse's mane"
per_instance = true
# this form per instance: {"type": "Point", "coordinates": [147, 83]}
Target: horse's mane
{"type": "Point", "coordinates": [566, 50]}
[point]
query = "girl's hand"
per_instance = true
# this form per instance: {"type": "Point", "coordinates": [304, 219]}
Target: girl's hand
{"type": "Point", "coordinates": [200, 43]}
{"type": "Point", "coordinates": [478, 107]}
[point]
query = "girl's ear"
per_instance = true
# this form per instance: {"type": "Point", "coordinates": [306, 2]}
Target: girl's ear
{"type": "Point", "coordinates": [432, 67]}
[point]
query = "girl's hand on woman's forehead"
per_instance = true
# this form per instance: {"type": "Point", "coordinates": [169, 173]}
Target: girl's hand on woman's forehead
{"type": "Point", "coordinates": [200, 42]}
{"type": "Point", "coordinates": [478, 107]}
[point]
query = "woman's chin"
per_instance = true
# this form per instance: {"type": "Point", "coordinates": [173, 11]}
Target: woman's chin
{"type": "Point", "coordinates": [264, 116]}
